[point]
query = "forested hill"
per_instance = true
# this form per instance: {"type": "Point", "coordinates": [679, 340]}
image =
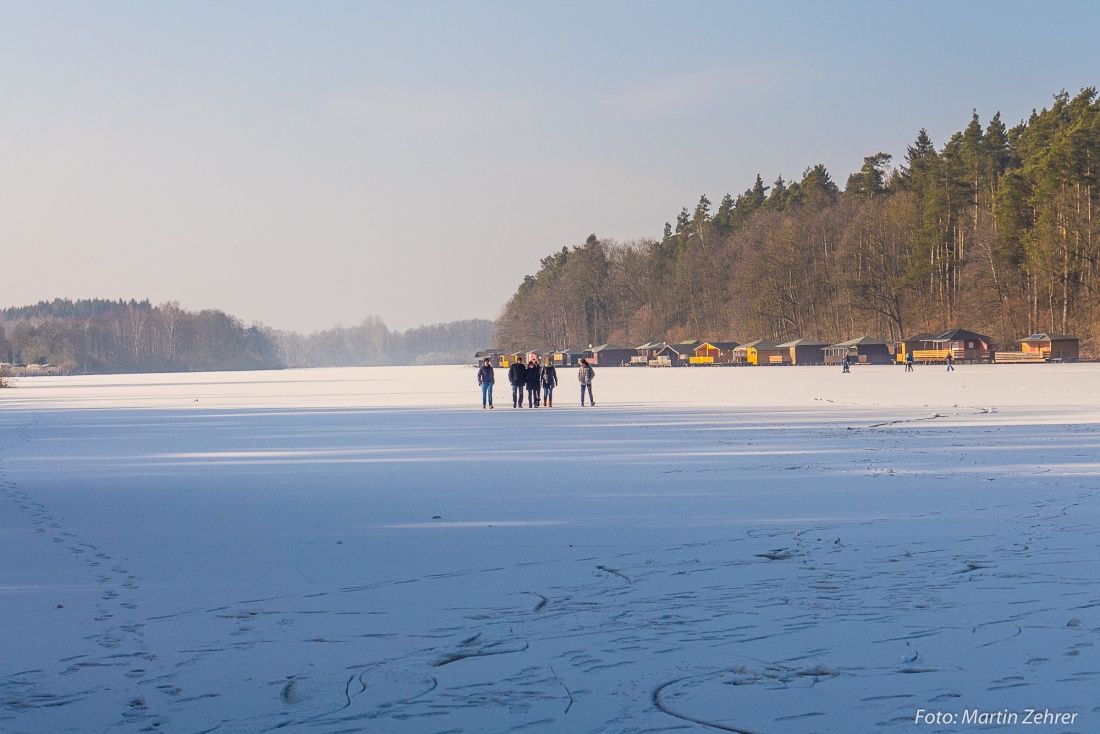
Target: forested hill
{"type": "Point", "coordinates": [103, 336]}
{"type": "Point", "coordinates": [996, 231]}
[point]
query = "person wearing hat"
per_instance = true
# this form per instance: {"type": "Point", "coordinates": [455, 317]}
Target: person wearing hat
{"type": "Point", "coordinates": [485, 378]}
{"type": "Point", "coordinates": [586, 374]}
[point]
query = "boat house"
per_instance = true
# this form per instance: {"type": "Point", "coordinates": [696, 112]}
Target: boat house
{"type": "Point", "coordinates": [673, 355]}
{"type": "Point", "coordinates": [566, 357]}
{"type": "Point", "coordinates": [714, 353]}
{"type": "Point", "coordinates": [919, 345]}
{"type": "Point", "coordinates": [1043, 348]}
{"type": "Point", "coordinates": [610, 355]}
{"type": "Point", "coordinates": [862, 350]}
{"type": "Point", "coordinates": [760, 352]}
{"type": "Point", "coordinates": [1052, 347]}
{"type": "Point", "coordinates": [805, 351]}
{"type": "Point", "coordinates": [964, 346]}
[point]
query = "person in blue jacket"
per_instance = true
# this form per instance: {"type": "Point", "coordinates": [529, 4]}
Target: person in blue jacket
{"type": "Point", "coordinates": [485, 378]}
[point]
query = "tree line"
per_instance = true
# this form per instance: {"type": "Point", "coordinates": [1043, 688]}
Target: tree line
{"type": "Point", "coordinates": [994, 232]}
{"type": "Point", "coordinates": [372, 343]}
{"type": "Point", "coordinates": [103, 336]}
{"type": "Point", "coordinates": [97, 336]}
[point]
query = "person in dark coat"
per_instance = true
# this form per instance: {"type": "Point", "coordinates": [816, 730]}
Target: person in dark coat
{"type": "Point", "coordinates": [844, 362]}
{"type": "Point", "coordinates": [549, 382]}
{"type": "Point", "coordinates": [908, 361]}
{"type": "Point", "coordinates": [517, 376]}
{"type": "Point", "coordinates": [533, 379]}
{"type": "Point", "coordinates": [950, 361]}
{"type": "Point", "coordinates": [485, 378]}
{"type": "Point", "coordinates": [585, 375]}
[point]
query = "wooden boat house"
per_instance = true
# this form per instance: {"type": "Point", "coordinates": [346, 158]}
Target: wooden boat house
{"type": "Point", "coordinates": [714, 353]}
{"type": "Point", "coordinates": [919, 345]}
{"type": "Point", "coordinates": [805, 351]}
{"type": "Point", "coordinates": [663, 354]}
{"type": "Point", "coordinates": [674, 355]}
{"type": "Point", "coordinates": [760, 352]}
{"type": "Point", "coordinates": [566, 357]}
{"type": "Point", "coordinates": [862, 350]}
{"type": "Point", "coordinates": [1049, 347]}
{"type": "Point", "coordinates": [645, 352]}
{"type": "Point", "coordinates": [965, 346]}
{"type": "Point", "coordinates": [1054, 347]}
{"type": "Point", "coordinates": [610, 355]}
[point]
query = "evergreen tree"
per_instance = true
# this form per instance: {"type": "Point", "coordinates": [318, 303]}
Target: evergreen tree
{"type": "Point", "coordinates": [870, 180]}
{"type": "Point", "coordinates": [723, 216]}
{"type": "Point", "coordinates": [683, 219]}
{"type": "Point", "coordinates": [777, 201]}
{"type": "Point", "coordinates": [702, 213]}
{"type": "Point", "coordinates": [816, 187]}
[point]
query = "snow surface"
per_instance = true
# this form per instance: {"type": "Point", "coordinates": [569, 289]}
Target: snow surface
{"type": "Point", "coordinates": [773, 550]}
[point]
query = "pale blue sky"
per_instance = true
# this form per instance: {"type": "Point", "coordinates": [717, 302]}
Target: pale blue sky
{"type": "Point", "coordinates": [310, 163]}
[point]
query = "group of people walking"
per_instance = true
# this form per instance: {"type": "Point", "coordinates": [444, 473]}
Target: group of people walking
{"type": "Point", "coordinates": [950, 359]}
{"type": "Point", "coordinates": [537, 380]}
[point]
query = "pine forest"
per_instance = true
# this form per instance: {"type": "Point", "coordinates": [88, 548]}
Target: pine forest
{"type": "Point", "coordinates": [993, 232]}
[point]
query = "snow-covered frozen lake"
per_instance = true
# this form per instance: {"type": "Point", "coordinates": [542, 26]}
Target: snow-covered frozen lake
{"type": "Point", "coordinates": [779, 551]}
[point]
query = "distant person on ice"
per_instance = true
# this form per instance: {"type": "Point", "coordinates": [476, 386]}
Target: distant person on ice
{"type": "Point", "coordinates": [586, 374]}
{"type": "Point", "coordinates": [950, 361]}
{"type": "Point", "coordinates": [533, 379]}
{"type": "Point", "coordinates": [549, 382]}
{"type": "Point", "coordinates": [485, 378]}
{"type": "Point", "coordinates": [908, 361]}
{"type": "Point", "coordinates": [517, 376]}
{"type": "Point", "coordinates": [844, 362]}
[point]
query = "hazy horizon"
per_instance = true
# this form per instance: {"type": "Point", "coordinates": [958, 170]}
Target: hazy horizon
{"type": "Point", "coordinates": [308, 165]}
{"type": "Point", "coordinates": [364, 321]}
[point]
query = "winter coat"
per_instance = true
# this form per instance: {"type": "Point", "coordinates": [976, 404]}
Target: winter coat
{"type": "Point", "coordinates": [533, 377]}
{"type": "Point", "coordinates": [517, 374]}
{"type": "Point", "coordinates": [586, 374]}
{"type": "Point", "coordinates": [549, 376]}
{"type": "Point", "coordinates": [485, 375]}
